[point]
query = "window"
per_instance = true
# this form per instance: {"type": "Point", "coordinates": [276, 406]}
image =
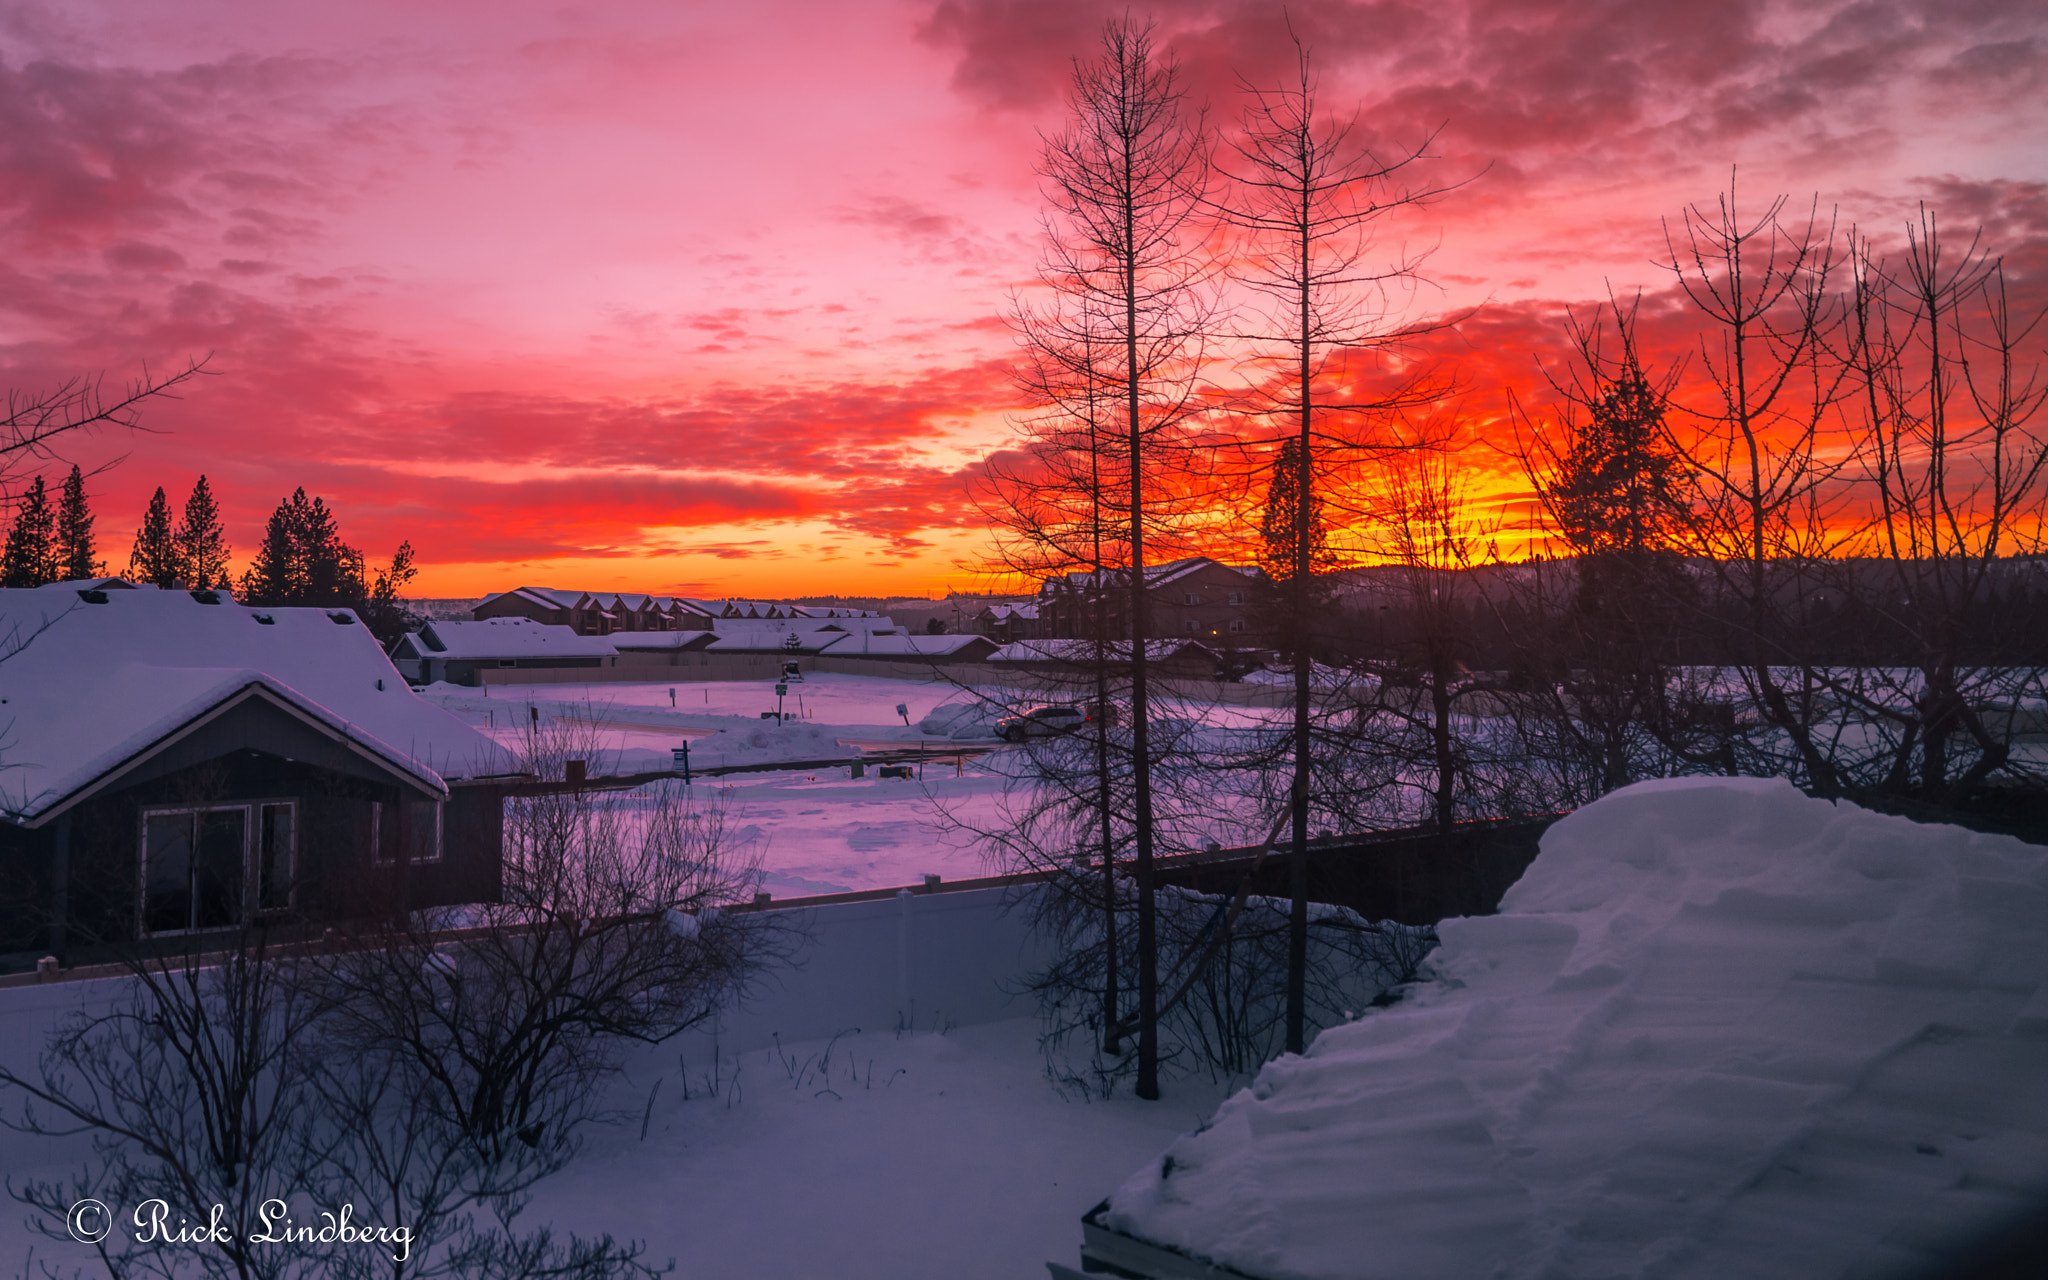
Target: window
{"type": "Point", "coordinates": [1193, 626]}
{"type": "Point", "coordinates": [1237, 626]}
{"type": "Point", "coordinates": [277, 841]}
{"type": "Point", "coordinates": [1192, 598]}
{"type": "Point", "coordinates": [204, 867]}
{"type": "Point", "coordinates": [409, 831]}
{"type": "Point", "coordinates": [1237, 597]}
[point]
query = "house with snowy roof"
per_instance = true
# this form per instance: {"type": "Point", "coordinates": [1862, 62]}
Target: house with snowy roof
{"type": "Point", "coordinates": [1061, 659]}
{"type": "Point", "coordinates": [175, 762]}
{"type": "Point", "coordinates": [1194, 598]}
{"type": "Point", "coordinates": [1004, 623]}
{"type": "Point", "coordinates": [461, 652]}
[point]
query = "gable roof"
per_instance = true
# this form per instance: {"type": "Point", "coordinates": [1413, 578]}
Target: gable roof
{"type": "Point", "coordinates": [1156, 575]}
{"type": "Point", "coordinates": [548, 597]}
{"type": "Point", "coordinates": [91, 682]}
{"type": "Point", "coordinates": [1083, 651]}
{"type": "Point", "coordinates": [919, 645]}
{"type": "Point", "coordinates": [507, 638]}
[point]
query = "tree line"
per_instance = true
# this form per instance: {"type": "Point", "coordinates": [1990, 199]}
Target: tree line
{"type": "Point", "coordinates": [1224, 361]}
{"type": "Point", "coordinates": [302, 560]}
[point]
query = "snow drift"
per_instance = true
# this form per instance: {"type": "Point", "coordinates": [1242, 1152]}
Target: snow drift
{"type": "Point", "coordinates": [1717, 1029]}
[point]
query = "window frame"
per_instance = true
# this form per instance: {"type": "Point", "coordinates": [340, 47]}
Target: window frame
{"type": "Point", "coordinates": [253, 812]}
{"type": "Point", "coordinates": [378, 856]}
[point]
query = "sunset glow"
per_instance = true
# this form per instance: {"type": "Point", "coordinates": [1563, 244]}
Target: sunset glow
{"type": "Point", "coordinates": [710, 299]}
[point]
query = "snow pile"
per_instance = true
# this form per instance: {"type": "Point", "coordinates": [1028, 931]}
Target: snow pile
{"type": "Point", "coordinates": [1718, 1029]}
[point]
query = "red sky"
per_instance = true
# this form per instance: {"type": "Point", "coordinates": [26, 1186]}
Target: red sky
{"type": "Point", "coordinates": [708, 298]}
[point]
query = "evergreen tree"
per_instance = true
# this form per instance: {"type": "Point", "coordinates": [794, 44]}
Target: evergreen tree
{"type": "Point", "coordinates": [303, 560]}
{"type": "Point", "coordinates": [202, 540]}
{"type": "Point", "coordinates": [74, 548]}
{"type": "Point", "coordinates": [1280, 525]}
{"type": "Point", "coordinates": [274, 576]}
{"type": "Point", "coordinates": [155, 557]}
{"type": "Point", "coordinates": [27, 561]}
{"type": "Point", "coordinates": [384, 613]}
{"type": "Point", "coordinates": [1620, 501]}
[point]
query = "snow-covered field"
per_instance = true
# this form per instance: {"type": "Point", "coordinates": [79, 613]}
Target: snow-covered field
{"type": "Point", "coordinates": [817, 830]}
{"type": "Point", "coordinates": [920, 1157]}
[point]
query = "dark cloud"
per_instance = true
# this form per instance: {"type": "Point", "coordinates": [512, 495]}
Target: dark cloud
{"type": "Point", "coordinates": [1544, 86]}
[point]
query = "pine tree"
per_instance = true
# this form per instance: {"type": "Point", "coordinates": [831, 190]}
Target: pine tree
{"type": "Point", "coordinates": [303, 560]}
{"type": "Point", "coordinates": [1279, 528]}
{"type": "Point", "coordinates": [384, 612]}
{"type": "Point", "coordinates": [274, 576]}
{"type": "Point", "coordinates": [333, 570]}
{"type": "Point", "coordinates": [74, 548]}
{"type": "Point", "coordinates": [27, 561]}
{"type": "Point", "coordinates": [202, 540]}
{"type": "Point", "coordinates": [155, 557]}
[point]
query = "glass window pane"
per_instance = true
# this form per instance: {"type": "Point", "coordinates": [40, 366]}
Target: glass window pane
{"type": "Point", "coordinates": [424, 838]}
{"type": "Point", "coordinates": [167, 871]}
{"type": "Point", "coordinates": [274, 867]}
{"type": "Point", "coordinates": [220, 868]}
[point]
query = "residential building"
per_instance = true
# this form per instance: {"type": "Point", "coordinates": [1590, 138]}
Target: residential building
{"type": "Point", "coordinates": [460, 652]}
{"type": "Point", "coordinates": [176, 762]}
{"type": "Point", "coordinates": [1196, 598]}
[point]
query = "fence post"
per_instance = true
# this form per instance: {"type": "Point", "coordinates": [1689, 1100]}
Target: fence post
{"type": "Point", "coordinates": [906, 1000]}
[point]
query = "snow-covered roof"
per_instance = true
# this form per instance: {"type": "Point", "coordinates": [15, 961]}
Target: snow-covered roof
{"type": "Point", "coordinates": [1006, 612]}
{"type": "Point", "coordinates": [1156, 575]}
{"type": "Point", "coordinates": [762, 636]}
{"type": "Point", "coordinates": [550, 597]}
{"type": "Point", "coordinates": [508, 638]}
{"type": "Point", "coordinates": [626, 641]}
{"type": "Point", "coordinates": [905, 646]}
{"type": "Point", "coordinates": [1717, 1029]}
{"type": "Point", "coordinates": [1081, 651]}
{"type": "Point", "coordinates": [88, 685]}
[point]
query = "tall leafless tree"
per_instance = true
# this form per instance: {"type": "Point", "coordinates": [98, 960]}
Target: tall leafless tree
{"type": "Point", "coordinates": [1762, 439]}
{"type": "Point", "coordinates": [1307, 194]}
{"type": "Point", "coordinates": [1957, 467]}
{"type": "Point", "coordinates": [1125, 182]}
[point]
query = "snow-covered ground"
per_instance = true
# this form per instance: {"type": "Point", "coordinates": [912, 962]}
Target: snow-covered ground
{"type": "Point", "coordinates": [1718, 1029]}
{"type": "Point", "coordinates": [920, 1157]}
{"type": "Point", "coordinates": [924, 1156]}
{"type": "Point", "coordinates": [817, 830]}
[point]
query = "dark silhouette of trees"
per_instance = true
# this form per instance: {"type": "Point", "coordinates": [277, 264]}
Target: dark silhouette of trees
{"type": "Point", "coordinates": [73, 550]}
{"type": "Point", "coordinates": [155, 556]}
{"type": "Point", "coordinates": [302, 559]}
{"type": "Point", "coordinates": [201, 540]}
{"type": "Point", "coordinates": [1305, 197]}
{"type": "Point", "coordinates": [1126, 182]}
{"type": "Point", "coordinates": [1945, 406]}
{"type": "Point", "coordinates": [27, 560]}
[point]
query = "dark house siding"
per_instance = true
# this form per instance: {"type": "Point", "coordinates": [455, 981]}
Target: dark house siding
{"type": "Point", "coordinates": [255, 752]}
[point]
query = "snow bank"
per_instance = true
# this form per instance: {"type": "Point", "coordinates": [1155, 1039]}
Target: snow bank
{"type": "Point", "coordinates": [1718, 1029]}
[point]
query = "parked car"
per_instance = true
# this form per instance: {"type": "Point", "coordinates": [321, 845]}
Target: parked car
{"type": "Point", "coordinates": [1040, 722]}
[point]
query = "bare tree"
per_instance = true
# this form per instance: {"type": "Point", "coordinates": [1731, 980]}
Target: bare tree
{"type": "Point", "coordinates": [1959, 472]}
{"type": "Point", "coordinates": [1307, 196]}
{"type": "Point", "coordinates": [33, 423]}
{"type": "Point", "coordinates": [1764, 447]}
{"type": "Point", "coordinates": [481, 1036]}
{"type": "Point", "coordinates": [1125, 183]}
